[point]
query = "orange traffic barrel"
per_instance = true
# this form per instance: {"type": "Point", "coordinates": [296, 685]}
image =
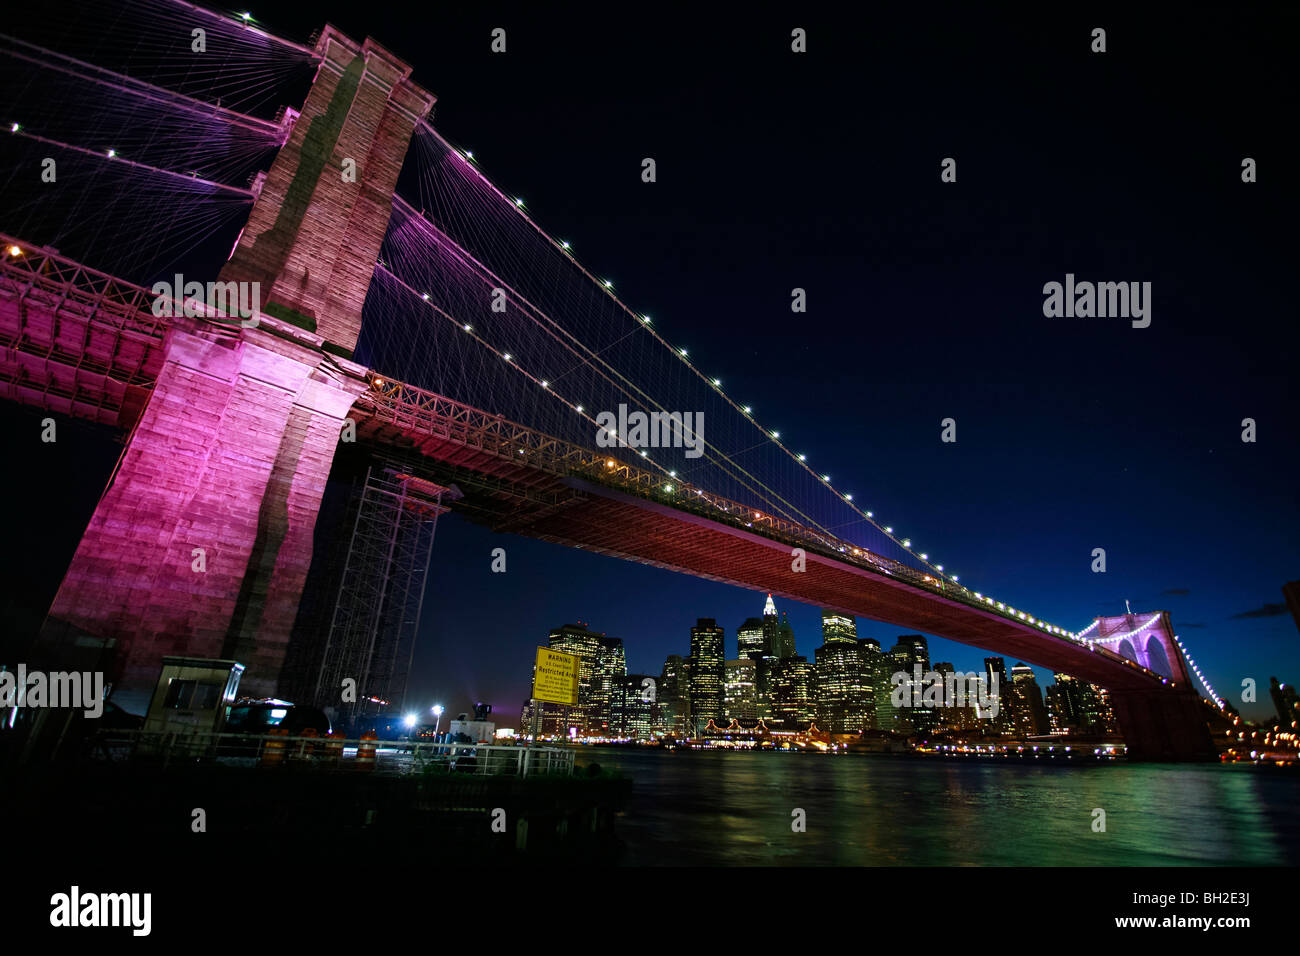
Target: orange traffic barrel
{"type": "Point", "coordinates": [306, 748]}
{"type": "Point", "coordinates": [334, 747]}
{"type": "Point", "coordinates": [366, 751]}
{"type": "Point", "coordinates": [273, 751]}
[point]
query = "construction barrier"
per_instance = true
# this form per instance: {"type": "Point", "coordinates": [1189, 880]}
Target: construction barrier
{"type": "Point", "coordinates": [333, 747]}
{"type": "Point", "coordinates": [273, 751]}
{"type": "Point", "coordinates": [366, 752]}
{"type": "Point", "coordinates": [304, 749]}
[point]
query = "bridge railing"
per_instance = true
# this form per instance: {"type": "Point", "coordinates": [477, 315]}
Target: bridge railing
{"type": "Point", "coordinates": [124, 304]}
{"type": "Point", "coordinates": [273, 750]}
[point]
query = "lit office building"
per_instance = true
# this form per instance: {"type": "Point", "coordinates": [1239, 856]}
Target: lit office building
{"type": "Point", "coordinates": [1077, 707]}
{"type": "Point", "coordinates": [1005, 721]}
{"type": "Point", "coordinates": [1031, 715]}
{"type": "Point", "coordinates": [883, 667]}
{"type": "Point", "coordinates": [909, 651]}
{"type": "Point", "coordinates": [601, 665]}
{"type": "Point", "coordinates": [708, 670]}
{"type": "Point", "coordinates": [952, 717]}
{"type": "Point", "coordinates": [793, 706]}
{"type": "Point", "coordinates": [771, 628]}
{"type": "Point", "coordinates": [634, 707]}
{"type": "Point", "coordinates": [838, 628]}
{"type": "Point", "coordinates": [757, 639]}
{"type": "Point", "coordinates": [674, 692]}
{"type": "Point", "coordinates": [750, 641]}
{"type": "Point", "coordinates": [869, 653]}
{"type": "Point", "coordinates": [843, 688]}
{"type": "Point", "coordinates": [740, 691]}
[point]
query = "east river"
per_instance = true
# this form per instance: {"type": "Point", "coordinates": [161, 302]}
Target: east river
{"type": "Point", "coordinates": [703, 808]}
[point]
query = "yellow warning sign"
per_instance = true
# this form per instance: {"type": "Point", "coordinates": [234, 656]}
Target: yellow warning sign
{"type": "Point", "coordinates": [555, 677]}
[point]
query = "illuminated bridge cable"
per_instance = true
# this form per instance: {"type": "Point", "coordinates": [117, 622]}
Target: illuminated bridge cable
{"type": "Point", "coordinates": [49, 59]}
{"type": "Point", "coordinates": [574, 344]}
{"type": "Point", "coordinates": [115, 158]}
{"type": "Point", "coordinates": [451, 214]}
{"type": "Point", "coordinates": [768, 436]}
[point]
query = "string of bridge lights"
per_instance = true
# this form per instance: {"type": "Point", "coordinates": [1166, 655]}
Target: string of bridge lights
{"type": "Point", "coordinates": [1204, 681]}
{"type": "Point", "coordinates": [544, 384]}
{"type": "Point", "coordinates": [683, 354]}
{"type": "Point", "coordinates": [1079, 636]}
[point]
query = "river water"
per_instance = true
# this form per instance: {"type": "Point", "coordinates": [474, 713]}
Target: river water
{"type": "Point", "coordinates": [736, 808]}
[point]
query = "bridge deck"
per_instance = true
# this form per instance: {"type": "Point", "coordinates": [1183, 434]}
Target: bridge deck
{"type": "Point", "coordinates": [521, 481]}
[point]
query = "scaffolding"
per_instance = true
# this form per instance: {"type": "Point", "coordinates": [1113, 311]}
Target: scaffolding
{"type": "Point", "coordinates": [376, 616]}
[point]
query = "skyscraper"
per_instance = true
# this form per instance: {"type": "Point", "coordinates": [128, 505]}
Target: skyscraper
{"type": "Point", "coordinates": [1077, 707]}
{"type": "Point", "coordinates": [910, 651]}
{"type": "Point", "coordinates": [869, 652]}
{"type": "Point", "coordinates": [708, 669]}
{"type": "Point", "coordinates": [883, 667]}
{"type": "Point", "coordinates": [674, 695]}
{"type": "Point", "coordinates": [1005, 721]}
{"type": "Point", "coordinates": [740, 691]}
{"type": "Point", "coordinates": [771, 628]}
{"type": "Point", "coordinates": [838, 628]}
{"type": "Point", "coordinates": [793, 706]}
{"type": "Point", "coordinates": [601, 666]}
{"type": "Point", "coordinates": [1031, 715]}
{"type": "Point", "coordinates": [750, 641]}
{"type": "Point", "coordinates": [635, 702]}
{"type": "Point", "coordinates": [952, 717]}
{"type": "Point", "coordinates": [843, 681]}
{"type": "Point", "coordinates": [761, 648]}
{"type": "Point", "coordinates": [785, 638]}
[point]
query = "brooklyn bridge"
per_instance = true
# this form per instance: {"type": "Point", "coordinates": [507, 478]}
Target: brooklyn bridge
{"type": "Point", "coordinates": [440, 343]}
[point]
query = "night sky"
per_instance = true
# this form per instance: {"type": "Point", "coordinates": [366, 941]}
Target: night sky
{"type": "Point", "coordinates": [925, 301]}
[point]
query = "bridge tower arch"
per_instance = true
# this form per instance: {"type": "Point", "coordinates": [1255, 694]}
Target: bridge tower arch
{"type": "Point", "coordinates": [1162, 723]}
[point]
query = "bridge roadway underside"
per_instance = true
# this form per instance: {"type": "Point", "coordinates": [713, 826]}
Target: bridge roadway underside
{"type": "Point", "coordinates": [1158, 722]}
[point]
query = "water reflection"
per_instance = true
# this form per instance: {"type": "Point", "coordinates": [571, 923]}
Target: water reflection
{"type": "Point", "coordinates": [734, 808]}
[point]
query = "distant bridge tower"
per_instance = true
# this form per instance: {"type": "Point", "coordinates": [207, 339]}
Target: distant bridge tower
{"type": "Point", "coordinates": [202, 541]}
{"type": "Point", "coordinates": [1156, 724]}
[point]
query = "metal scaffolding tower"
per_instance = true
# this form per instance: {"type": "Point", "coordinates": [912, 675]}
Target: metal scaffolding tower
{"type": "Point", "coordinates": [376, 615]}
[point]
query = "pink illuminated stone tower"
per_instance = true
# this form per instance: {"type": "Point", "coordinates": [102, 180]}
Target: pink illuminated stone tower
{"type": "Point", "coordinates": [201, 543]}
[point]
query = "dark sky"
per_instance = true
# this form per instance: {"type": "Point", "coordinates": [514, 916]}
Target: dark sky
{"type": "Point", "coordinates": [821, 170]}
